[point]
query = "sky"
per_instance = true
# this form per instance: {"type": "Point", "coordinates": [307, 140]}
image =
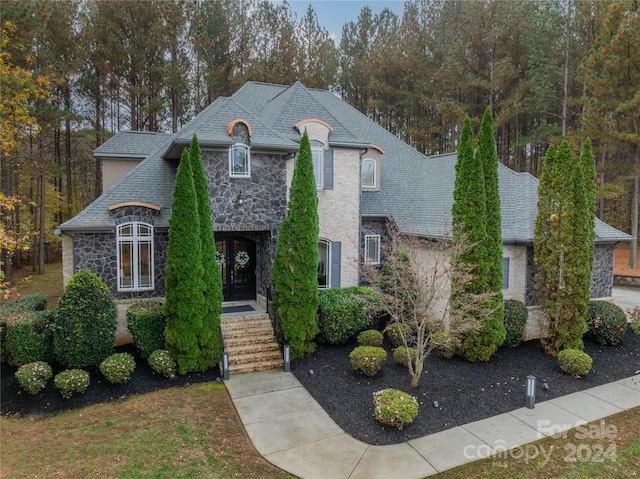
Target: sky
{"type": "Point", "coordinates": [333, 14]}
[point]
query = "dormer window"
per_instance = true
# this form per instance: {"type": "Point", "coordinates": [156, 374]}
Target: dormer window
{"type": "Point", "coordinates": [239, 161]}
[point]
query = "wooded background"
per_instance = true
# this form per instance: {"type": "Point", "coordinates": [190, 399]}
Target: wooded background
{"type": "Point", "coordinates": [547, 69]}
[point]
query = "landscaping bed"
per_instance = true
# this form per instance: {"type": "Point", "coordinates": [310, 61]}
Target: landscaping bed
{"type": "Point", "coordinates": [14, 401]}
{"type": "Point", "coordinates": [465, 391]}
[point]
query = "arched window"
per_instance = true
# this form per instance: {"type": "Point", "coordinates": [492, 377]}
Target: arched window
{"type": "Point", "coordinates": [135, 256]}
{"type": "Point", "coordinates": [239, 161]}
{"type": "Point", "coordinates": [368, 173]}
{"type": "Point", "coordinates": [324, 264]}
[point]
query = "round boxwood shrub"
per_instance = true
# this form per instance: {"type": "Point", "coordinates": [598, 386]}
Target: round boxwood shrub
{"type": "Point", "coordinates": [118, 368]}
{"type": "Point", "coordinates": [162, 362]}
{"type": "Point", "coordinates": [344, 312]}
{"type": "Point", "coordinates": [575, 362]}
{"type": "Point", "coordinates": [403, 355]}
{"type": "Point", "coordinates": [444, 345]}
{"type": "Point", "coordinates": [23, 344]}
{"type": "Point", "coordinates": [146, 324]}
{"type": "Point", "coordinates": [606, 322]}
{"type": "Point", "coordinates": [33, 377]}
{"type": "Point", "coordinates": [394, 408]}
{"type": "Point", "coordinates": [368, 359]}
{"type": "Point", "coordinates": [72, 381]}
{"type": "Point", "coordinates": [85, 323]}
{"type": "Point", "coordinates": [370, 337]}
{"type": "Point", "coordinates": [393, 331]}
{"type": "Point", "coordinates": [515, 320]}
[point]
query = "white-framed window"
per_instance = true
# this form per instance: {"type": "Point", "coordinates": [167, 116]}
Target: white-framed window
{"type": "Point", "coordinates": [317, 152]}
{"type": "Point", "coordinates": [372, 249]}
{"type": "Point", "coordinates": [135, 256]}
{"type": "Point", "coordinates": [324, 264]}
{"type": "Point", "coordinates": [239, 161]}
{"type": "Point", "coordinates": [368, 173]}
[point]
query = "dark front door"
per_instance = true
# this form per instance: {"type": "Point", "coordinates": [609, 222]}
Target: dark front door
{"type": "Point", "coordinates": [237, 259]}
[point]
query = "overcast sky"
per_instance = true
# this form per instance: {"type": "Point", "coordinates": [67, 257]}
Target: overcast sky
{"type": "Point", "coordinates": [333, 14]}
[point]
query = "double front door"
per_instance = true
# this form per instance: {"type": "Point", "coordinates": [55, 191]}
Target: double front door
{"type": "Point", "coordinates": [236, 257]}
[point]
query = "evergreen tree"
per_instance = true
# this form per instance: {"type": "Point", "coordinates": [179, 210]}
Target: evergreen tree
{"type": "Point", "coordinates": [469, 226]}
{"type": "Point", "coordinates": [184, 301]}
{"type": "Point", "coordinates": [209, 339]}
{"type": "Point", "coordinates": [556, 256]}
{"type": "Point", "coordinates": [295, 268]}
{"type": "Point", "coordinates": [481, 345]}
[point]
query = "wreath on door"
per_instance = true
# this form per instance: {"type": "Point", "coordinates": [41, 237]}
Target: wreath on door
{"type": "Point", "coordinates": [242, 259]}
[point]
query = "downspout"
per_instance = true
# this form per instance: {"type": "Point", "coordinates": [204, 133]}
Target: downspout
{"type": "Point", "coordinates": [362, 153]}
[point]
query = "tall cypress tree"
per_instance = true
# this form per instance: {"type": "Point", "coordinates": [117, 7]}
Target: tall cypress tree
{"type": "Point", "coordinates": [481, 345]}
{"type": "Point", "coordinates": [555, 253]}
{"type": "Point", "coordinates": [469, 225]}
{"type": "Point", "coordinates": [209, 339]}
{"type": "Point", "coordinates": [184, 301]}
{"type": "Point", "coordinates": [295, 268]}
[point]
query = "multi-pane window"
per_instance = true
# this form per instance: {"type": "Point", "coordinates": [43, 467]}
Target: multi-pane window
{"type": "Point", "coordinates": [135, 256]}
{"type": "Point", "coordinates": [239, 161]}
{"type": "Point", "coordinates": [324, 264]}
{"type": "Point", "coordinates": [317, 152]}
{"type": "Point", "coordinates": [368, 173]}
{"type": "Point", "coordinates": [372, 249]}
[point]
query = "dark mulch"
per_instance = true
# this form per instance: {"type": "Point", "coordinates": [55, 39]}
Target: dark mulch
{"type": "Point", "coordinates": [465, 391]}
{"type": "Point", "coordinates": [14, 401]}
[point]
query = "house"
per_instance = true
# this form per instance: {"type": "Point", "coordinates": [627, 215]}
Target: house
{"type": "Point", "coordinates": [364, 175]}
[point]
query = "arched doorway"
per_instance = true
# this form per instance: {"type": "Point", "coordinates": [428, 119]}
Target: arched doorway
{"type": "Point", "coordinates": [237, 259]}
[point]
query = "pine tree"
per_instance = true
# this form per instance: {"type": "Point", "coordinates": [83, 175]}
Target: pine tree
{"type": "Point", "coordinates": [481, 345]}
{"type": "Point", "coordinates": [555, 253]}
{"type": "Point", "coordinates": [184, 301]}
{"type": "Point", "coordinates": [209, 339]}
{"type": "Point", "coordinates": [295, 268]}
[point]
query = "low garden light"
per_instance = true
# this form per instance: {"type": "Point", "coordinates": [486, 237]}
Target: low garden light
{"type": "Point", "coordinates": [530, 400]}
{"type": "Point", "coordinates": [287, 358]}
{"type": "Point", "coordinates": [225, 366]}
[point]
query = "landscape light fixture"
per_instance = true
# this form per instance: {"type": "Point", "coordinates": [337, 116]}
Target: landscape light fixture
{"type": "Point", "coordinates": [530, 401]}
{"type": "Point", "coordinates": [225, 366]}
{"type": "Point", "coordinates": [287, 358]}
{"type": "Point", "coordinates": [240, 199]}
{"type": "Point", "coordinates": [436, 404]}
{"type": "Point", "coordinates": [545, 386]}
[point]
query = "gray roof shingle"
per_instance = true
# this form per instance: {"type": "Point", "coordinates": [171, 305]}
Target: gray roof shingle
{"type": "Point", "coordinates": [417, 191]}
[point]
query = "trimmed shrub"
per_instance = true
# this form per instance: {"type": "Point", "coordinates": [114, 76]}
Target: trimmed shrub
{"type": "Point", "coordinates": [162, 362]}
{"type": "Point", "coordinates": [72, 381]}
{"type": "Point", "coordinates": [368, 359]}
{"type": "Point", "coordinates": [575, 362]}
{"type": "Point", "coordinates": [402, 355]}
{"type": "Point", "coordinates": [634, 317]}
{"type": "Point", "coordinates": [370, 337]}
{"type": "Point", "coordinates": [515, 320]}
{"type": "Point", "coordinates": [607, 322]}
{"type": "Point", "coordinates": [23, 344]}
{"type": "Point", "coordinates": [118, 368]}
{"type": "Point", "coordinates": [10, 312]}
{"type": "Point", "coordinates": [85, 324]}
{"type": "Point", "coordinates": [394, 408]}
{"type": "Point", "coordinates": [33, 377]}
{"type": "Point", "coordinates": [344, 312]}
{"type": "Point", "coordinates": [444, 345]}
{"type": "Point", "coordinates": [146, 324]}
{"type": "Point", "coordinates": [393, 331]}
{"type": "Point", "coordinates": [34, 302]}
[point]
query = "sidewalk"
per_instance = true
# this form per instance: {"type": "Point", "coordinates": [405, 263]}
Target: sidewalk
{"type": "Point", "coordinates": [290, 430]}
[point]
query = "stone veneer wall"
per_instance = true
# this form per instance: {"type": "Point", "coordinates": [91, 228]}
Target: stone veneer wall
{"type": "Point", "coordinates": [263, 208]}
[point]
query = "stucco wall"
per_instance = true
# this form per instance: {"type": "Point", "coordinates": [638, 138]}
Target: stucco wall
{"type": "Point", "coordinates": [114, 170]}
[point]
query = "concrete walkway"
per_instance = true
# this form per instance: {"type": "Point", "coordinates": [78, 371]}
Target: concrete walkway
{"type": "Point", "coordinates": [290, 430]}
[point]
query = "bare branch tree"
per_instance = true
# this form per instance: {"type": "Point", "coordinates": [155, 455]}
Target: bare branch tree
{"type": "Point", "coordinates": [414, 285]}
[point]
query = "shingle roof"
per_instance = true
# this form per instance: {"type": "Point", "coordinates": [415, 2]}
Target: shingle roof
{"type": "Point", "coordinates": [131, 144]}
{"type": "Point", "coordinates": [417, 191]}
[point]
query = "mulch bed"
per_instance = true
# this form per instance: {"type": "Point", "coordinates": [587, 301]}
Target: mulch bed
{"type": "Point", "coordinates": [14, 401]}
{"type": "Point", "coordinates": [465, 392]}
